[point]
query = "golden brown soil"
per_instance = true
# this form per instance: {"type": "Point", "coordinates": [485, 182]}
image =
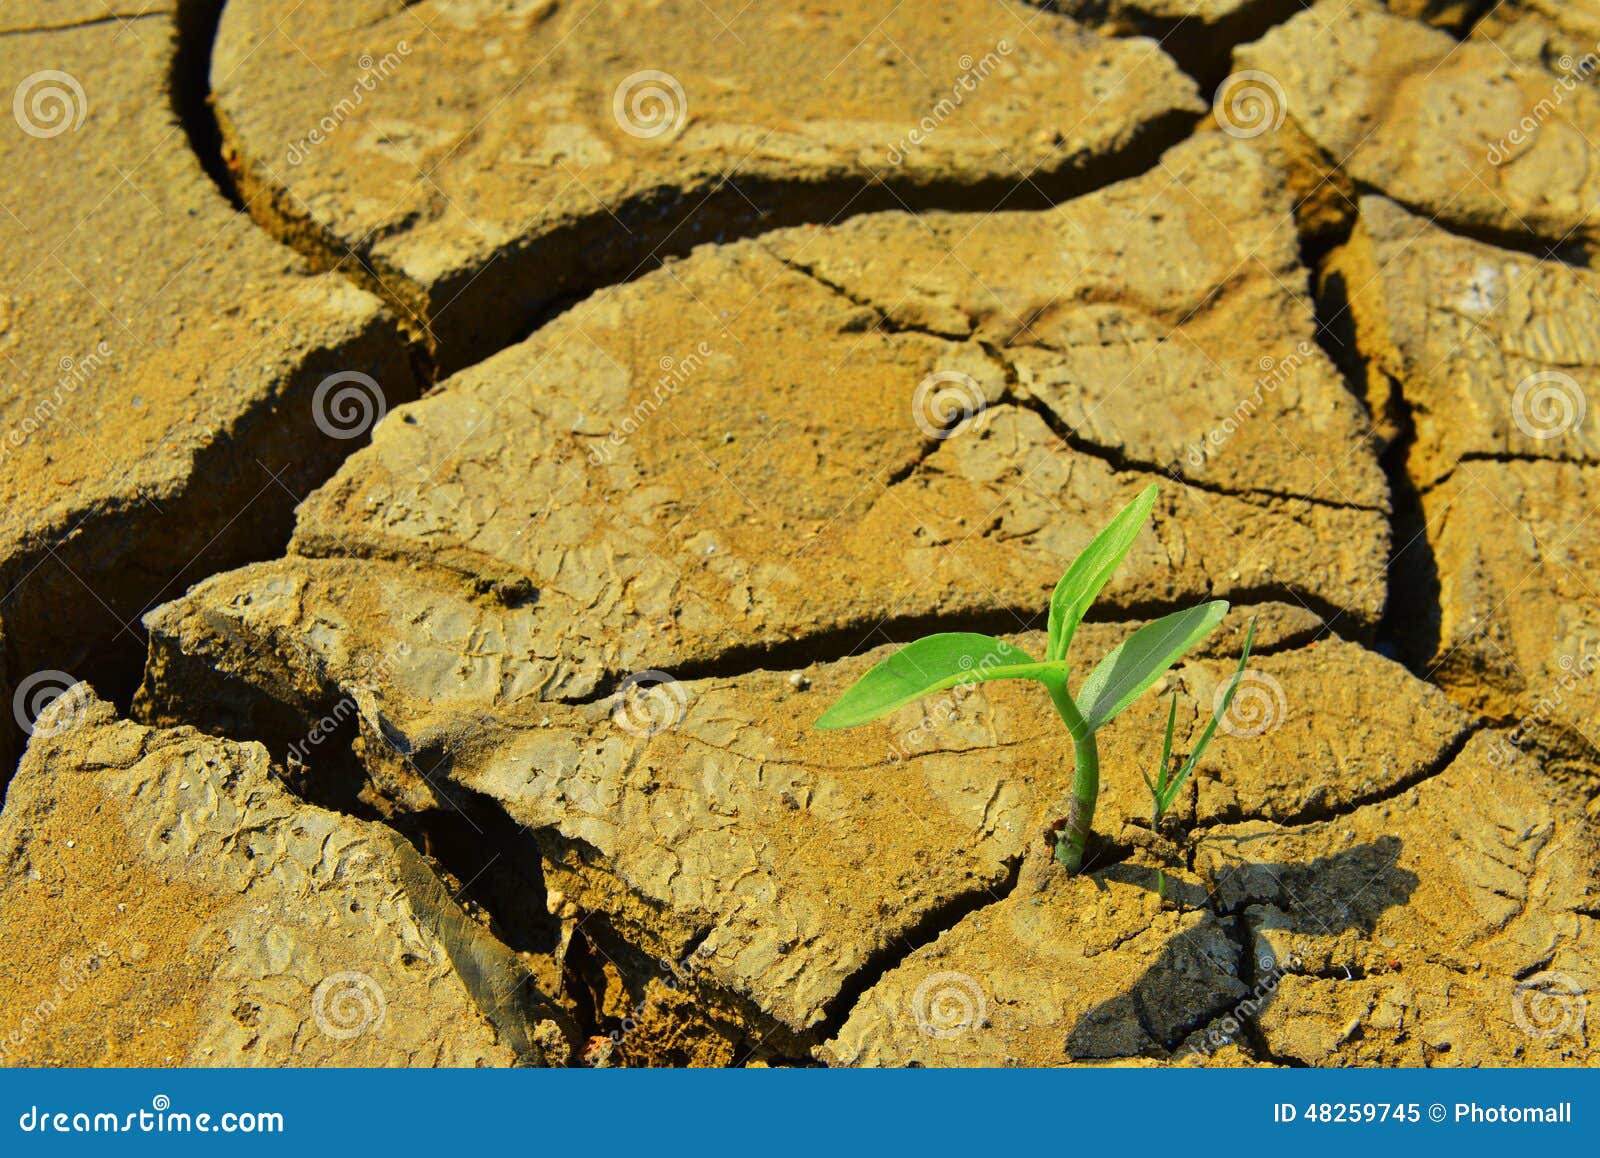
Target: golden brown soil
{"type": "Point", "coordinates": [717, 354]}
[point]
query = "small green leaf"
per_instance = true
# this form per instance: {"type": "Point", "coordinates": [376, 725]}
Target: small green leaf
{"type": "Point", "coordinates": [1141, 659]}
{"type": "Point", "coordinates": [1091, 570]}
{"type": "Point", "coordinates": [1164, 801]}
{"type": "Point", "coordinates": [929, 665]}
{"type": "Point", "coordinates": [1158, 789]}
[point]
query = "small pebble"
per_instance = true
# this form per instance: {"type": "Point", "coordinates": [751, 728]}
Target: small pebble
{"type": "Point", "coordinates": [798, 682]}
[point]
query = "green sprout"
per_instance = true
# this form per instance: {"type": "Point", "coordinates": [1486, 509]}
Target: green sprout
{"type": "Point", "coordinates": [938, 662]}
{"type": "Point", "coordinates": [1169, 779]}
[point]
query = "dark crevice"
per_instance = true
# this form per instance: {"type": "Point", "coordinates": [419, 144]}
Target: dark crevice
{"type": "Point", "coordinates": [1472, 15]}
{"type": "Point", "coordinates": [514, 291]}
{"type": "Point", "coordinates": [489, 865]}
{"type": "Point", "coordinates": [1120, 461]}
{"type": "Point", "coordinates": [1114, 457]}
{"type": "Point", "coordinates": [77, 592]}
{"type": "Point", "coordinates": [108, 17]}
{"type": "Point", "coordinates": [1202, 50]}
{"type": "Point", "coordinates": [1413, 615]}
{"type": "Point", "coordinates": [884, 321]}
{"type": "Point", "coordinates": [1409, 629]}
{"type": "Point", "coordinates": [505, 298]}
{"type": "Point", "coordinates": [1506, 458]}
{"type": "Point", "coordinates": [829, 645]}
{"type": "Point", "coordinates": [929, 928]}
{"type": "Point", "coordinates": [197, 22]}
{"type": "Point", "coordinates": [1577, 251]}
{"type": "Point", "coordinates": [1322, 813]}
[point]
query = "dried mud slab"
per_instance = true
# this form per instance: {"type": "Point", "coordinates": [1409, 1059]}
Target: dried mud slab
{"type": "Point", "coordinates": [1515, 545]}
{"type": "Point", "coordinates": [1198, 34]}
{"type": "Point", "coordinates": [500, 157]}
{"type": "Point", "coordinates": [1453, 925]}
{"type": "Point", "coordinates": [721, 841]}
{"type": "Point", "coordinates": [1494, 352]}
{"type": "Point", "coordinates": [166, 902]}
{"type": "Point", "coordinates": [657, 481]}
{"type": "Point", "coordinates": [747, 449]}
{"type": "Point", "coordinates": [1492, 355]}
{"type": "Point", "coordinates": [1449, 925]}
{"type": "Point", "coordinates": [1560, 35]}
{"type": "Point", "coordinates": [1455, 130]}
{"type": "Point", "coordinates": [1452, 15]}
{"type": "Point", "coordinates": [162, 355]}
{"type": "Point", "coordinates": [726, 466]}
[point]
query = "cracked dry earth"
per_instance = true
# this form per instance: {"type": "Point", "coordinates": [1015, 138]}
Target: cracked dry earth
{"type": "Point", "coordinates": [460, 447]}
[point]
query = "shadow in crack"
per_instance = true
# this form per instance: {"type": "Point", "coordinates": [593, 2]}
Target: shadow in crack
{"type": "Point", "coordinates": [1211, 971]}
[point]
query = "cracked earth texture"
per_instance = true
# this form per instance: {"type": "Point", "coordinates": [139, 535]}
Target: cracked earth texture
{"type": "Point", "coordinates": [453, 450]}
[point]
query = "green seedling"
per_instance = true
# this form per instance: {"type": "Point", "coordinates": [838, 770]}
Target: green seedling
{"type": "Point", "coordinates": [1169, 780]}
{"type": "Point", "coordinates": [939, 662]}
{"type": "Point", "coordinates": [1170, 776]}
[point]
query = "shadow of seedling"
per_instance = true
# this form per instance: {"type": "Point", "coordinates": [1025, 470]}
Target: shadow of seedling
{"type": "Point", "coordinates": [1203, 975]}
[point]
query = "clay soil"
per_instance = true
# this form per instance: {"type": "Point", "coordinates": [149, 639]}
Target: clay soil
{"type": "Point", "coordinates": [452, 452]}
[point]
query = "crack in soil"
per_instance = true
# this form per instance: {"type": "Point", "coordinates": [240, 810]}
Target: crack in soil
{"type": "Point", "coordinates": [1413, 598]}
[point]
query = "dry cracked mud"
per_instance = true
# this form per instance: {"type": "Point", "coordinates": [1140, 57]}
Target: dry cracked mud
{"type": "Point", "coordinates": [498, 430]}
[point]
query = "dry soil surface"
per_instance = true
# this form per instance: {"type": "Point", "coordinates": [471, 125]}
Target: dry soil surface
{"type": "Point", "coordinates": [466, 444]}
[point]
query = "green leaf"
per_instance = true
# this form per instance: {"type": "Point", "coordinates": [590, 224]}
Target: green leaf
{"type": "Point", "coordinates": [1141, 659]}
{"type": "Point", "coordinates": [1092, 569]}
{"type": "Point", "coordinates": [1158, 787]}
{"type": "Point", "coordinates": [1170, 791]}
{"type": "Point", "coordinates": [929, 665]}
